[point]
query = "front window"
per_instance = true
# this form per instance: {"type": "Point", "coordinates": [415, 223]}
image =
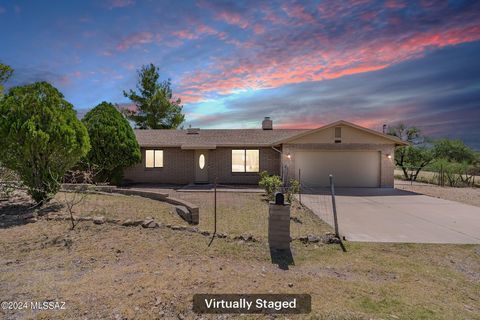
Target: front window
{"type": "Point", "coordinates": [153, 158]}
{"type": "Point", "coordinates": [245, 160]}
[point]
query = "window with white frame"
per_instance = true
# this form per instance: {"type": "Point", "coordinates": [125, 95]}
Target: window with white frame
{"type": "Point", "coordinates": [153, 158]}
{"type": "Point", "coordinates": [244, 160]}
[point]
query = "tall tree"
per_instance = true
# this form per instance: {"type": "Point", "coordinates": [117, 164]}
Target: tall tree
{"type": "Point", "coordinates": [40, 137]}
{"type": "Point", "coordinates": [113, 141]}
{"type": "Point", "coordinates": [413, 158]}
{"type": "Point", "coordinates": [156, 108]}
{"type": "Point", "coordinates": [5, 73]}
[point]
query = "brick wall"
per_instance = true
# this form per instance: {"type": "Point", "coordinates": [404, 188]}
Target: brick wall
{"type": "Point", "coordinates": [221, 166]}
{"type": "Point", "coordinates": [178, 168]}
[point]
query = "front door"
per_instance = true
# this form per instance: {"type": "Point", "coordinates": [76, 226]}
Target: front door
{"type": "Point", "coordinates": [201, 166]}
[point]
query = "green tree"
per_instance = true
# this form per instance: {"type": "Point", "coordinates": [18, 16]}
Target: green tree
{"type": "Point", "coordinates": [453, 151]}
{"type": "Point", "coordinates": [40, 137]}
{"type": "Point", "coordinates": [413, 158]}
{"type": "Point", "coordinates": [113, 141]}
{"type": "Point", "coordinates": [156, 107]}
{"type": "Point", "coordinates": [5, 73]}
{"type": "Point", "coordinates": [455, 161]}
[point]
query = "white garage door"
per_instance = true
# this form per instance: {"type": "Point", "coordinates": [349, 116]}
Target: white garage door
{"type": "Point", "coordinates": [349, 168]}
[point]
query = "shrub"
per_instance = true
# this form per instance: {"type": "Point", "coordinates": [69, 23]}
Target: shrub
{"type": "Point", "coordinates": [293, 188]}
{"type": "Point", "coordinates": [271, 184]}
{"type": "Point", "coordinates": [42, 136]}
{"type": "Point", "coordinates": [113, 141]}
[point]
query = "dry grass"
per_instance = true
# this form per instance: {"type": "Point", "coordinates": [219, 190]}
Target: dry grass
{"type": "Point", "coordinates": [108, 271]}
{"type": "Point", "coordinates": [237, 213]}
{"type": "Point", "coordinates": [117, 206]}
{"type": "Point", "coordinates": [469, 196]}
{"type": "Point", "coordinates": [240, 213]}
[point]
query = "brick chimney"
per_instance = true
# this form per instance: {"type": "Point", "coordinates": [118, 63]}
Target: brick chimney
{"type": "Point", "coordinates": [267, 124]}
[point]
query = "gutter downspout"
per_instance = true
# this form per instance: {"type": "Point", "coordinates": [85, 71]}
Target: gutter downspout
{"type": "Point", "coordinates": [281, 162]}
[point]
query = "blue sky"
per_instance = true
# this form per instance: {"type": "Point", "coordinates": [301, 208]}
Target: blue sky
{"type": "Point", "coordinates": [304, 64]}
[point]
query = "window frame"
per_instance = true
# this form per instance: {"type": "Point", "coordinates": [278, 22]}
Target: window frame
{"type": "Point", "coordinates": [154, 162]}
{"type": "Point", "coordinates": [244, 150]}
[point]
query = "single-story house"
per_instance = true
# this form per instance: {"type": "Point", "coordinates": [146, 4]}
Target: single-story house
{"type": "Point", "coordinates": [356, 156]}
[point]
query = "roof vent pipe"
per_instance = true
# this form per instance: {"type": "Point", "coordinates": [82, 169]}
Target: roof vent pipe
{"type": "Point", "coordinates": [267, 124]}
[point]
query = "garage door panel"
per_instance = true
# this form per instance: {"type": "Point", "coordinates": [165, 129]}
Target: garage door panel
{"type": "Point", "coordinates": [349, 168]}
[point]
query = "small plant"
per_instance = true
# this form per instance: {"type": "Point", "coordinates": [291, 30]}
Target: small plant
{"type": "Point", "coordinates": [293, 188]}
{"type": "Point", "coordinates": [271, 184]}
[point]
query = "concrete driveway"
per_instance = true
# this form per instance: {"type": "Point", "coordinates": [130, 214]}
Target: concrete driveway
{"type": "Point", "coordinates": [392, 215]}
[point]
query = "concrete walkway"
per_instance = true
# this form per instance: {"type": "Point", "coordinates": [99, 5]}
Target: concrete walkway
{"type": "Point", "coordinates": [391, 215]}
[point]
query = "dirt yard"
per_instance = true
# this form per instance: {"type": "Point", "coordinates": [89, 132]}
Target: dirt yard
{"type": "Point", "coordinates": [114, 272]}
{"type": "Point", "coordinates": [469, 196]}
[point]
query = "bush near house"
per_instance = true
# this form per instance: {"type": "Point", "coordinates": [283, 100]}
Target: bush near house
{"type": "Point", "coordinates": [41, 136]}
{"type": "Point", "coordinates": [113, 141]}
{"type": "Point", "coordinates": [273, 184]}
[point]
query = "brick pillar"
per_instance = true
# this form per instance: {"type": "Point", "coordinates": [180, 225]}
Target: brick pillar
{"type": "Point", "coordinates": [279, 226]}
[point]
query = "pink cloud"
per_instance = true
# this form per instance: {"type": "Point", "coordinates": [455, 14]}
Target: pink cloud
{"type": "Point", "coordinates": [232, 18]}
{"type": "Point", "coordinates": [200, 30]}
{"type": "Point", "coordinates": [272, 68]}
{"type": "Point", "coordinates": [135, 39]}
{"type": "Point", "coordinates": [297, 11]}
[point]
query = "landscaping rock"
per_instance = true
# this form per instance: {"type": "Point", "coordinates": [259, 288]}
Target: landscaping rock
{"type": "Point", "coordinates": [304, 239]}
{"type": "Point", "coordinates": [178, 227]}
{"type": "Point", "coordinates": [99, 220]}
{"type": "Point", "coordinates": [132, 223]}
{"type": "Point", "coordinates": [150, 224]}
{"type": "Point", "coordinates": [295, 219]}
{"type": "Point", "coordinates": [221, 235]}
{"type": "Point", "coordinates": [313, 239]}
{"type": "Point", "coordinates": [246, 237]}
{"type": "Point", "coordinates": [184, 213]}
{"type": "Point", "coordinates": [330, 238]}
{"type": "Point", "coordinates": [193, 229]}
{"type": "Point", "coordinates": [205, 233]}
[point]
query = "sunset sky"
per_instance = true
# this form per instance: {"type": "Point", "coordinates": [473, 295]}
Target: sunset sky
{"type": "Point", "coordinates": [305, 64]}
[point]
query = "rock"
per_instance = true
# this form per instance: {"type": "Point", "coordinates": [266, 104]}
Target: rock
{"type": "Point", "coordinates": [330, 238]}
{"type": "Point", "coordinates": [303, 239]}
{"type": "Point", "coordinates": [132, 223]}
{"type": "Point", "coordinates": [150, 224]}
{"type": "Point", "coordinates": [290, 285]}
{"type": "Point", "coordinates": [221, 235]}
{"type": "Point", "coordinates": [296, 220]}
{"type": "Point", "coordinates": [245, 238]}
{"type": "Point", "coordinates": [174, 227]}
{"type": "Point", "coordinates": [99, 220]}
{"type": "Point", "coordinates": [184, 213]}
{"type": "Point", "coordinates": [313, 239]}
{"type": "Point", "coordinates": [205, 233]}
{"type": "Point", "coordinates": [32, 220]}
{"type": "Point", "coordinates": [193, 229]}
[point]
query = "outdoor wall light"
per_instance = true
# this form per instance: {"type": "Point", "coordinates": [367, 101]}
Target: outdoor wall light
{"type": "Point", "coordinates": [289, 156]}
{"type": "Point", "coordinates": [389, 156]}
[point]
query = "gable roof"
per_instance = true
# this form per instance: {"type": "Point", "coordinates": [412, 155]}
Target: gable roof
{"type": "Point", "coordinates": [397, 141]}
{"type": "Point", "coordinates": [213, 138]}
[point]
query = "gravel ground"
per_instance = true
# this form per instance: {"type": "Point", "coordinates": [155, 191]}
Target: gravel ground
{"type": "Point", "coordinates": [469, 196]}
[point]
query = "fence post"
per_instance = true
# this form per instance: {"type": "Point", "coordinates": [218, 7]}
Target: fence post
{"type": "Point", "coordinates": [334, 206]}
{"type": "Point", "coordinates": [299, 186]}
{"type": "Point", "coordinates": [214, 211]}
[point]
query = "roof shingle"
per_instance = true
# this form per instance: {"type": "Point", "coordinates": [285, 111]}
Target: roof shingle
{"type": "Point", "coordinates": [213, 137]}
